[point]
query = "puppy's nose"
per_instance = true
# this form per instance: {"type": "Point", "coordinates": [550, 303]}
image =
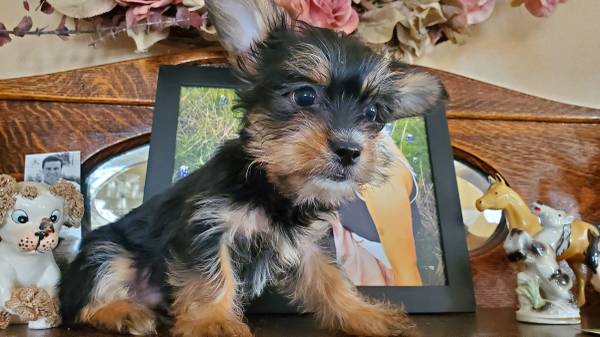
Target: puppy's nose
{"type": "Point", "coordinates": [347, 153]}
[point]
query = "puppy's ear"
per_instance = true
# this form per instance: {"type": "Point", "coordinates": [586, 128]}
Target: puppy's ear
{"type": "Point", "coordinates": [73, 211]}
{"type": "Point", "coordinates": [241, 24]}
{"type": "Point", "coordinates": [8, 191]}
{"type": "Point", "coordinates": [417, 93]}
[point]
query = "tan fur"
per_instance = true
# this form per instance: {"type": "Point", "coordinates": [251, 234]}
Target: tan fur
{"type": "Point", "coordinates": [73, 202]}
{"type": "Point", "coordinates": [378, 76]}
{"type": "Point", "coordinates": [323, 289]}
{"type": "Point", "coordinates": [419, 92]}
{"type": "Point", "coordinates": [123, 316]}
{"type": "Point", "coordinates": [111, 306]}
{"type": "Point", "coordinates": [207, 307]}
{"type": "Point", "coordinates": [303, 150]}
{"type": "Point", "coordinates": [310, 61]}
{"type": "Point", "coordinates": [29, 192]}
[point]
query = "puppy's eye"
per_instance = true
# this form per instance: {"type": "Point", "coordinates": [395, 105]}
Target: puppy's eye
{"type": "Point", "coordinates": [305, 96]}
{"type": "Point", "coordinates": [20, 216]}
{"type": "Point", "coordinates": [55, 216]}
{"type": "Point", "coordinates": [372, 112]}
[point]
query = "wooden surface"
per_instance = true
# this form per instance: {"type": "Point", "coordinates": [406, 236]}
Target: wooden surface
{"type": "Point", "coordinates": [485, 323]}
{"type": "Point", "coordinates": [546, 150]}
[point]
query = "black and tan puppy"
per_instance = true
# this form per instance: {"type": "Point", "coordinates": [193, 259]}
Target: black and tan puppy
{"type": "Point", "coordinates": [314, 103]}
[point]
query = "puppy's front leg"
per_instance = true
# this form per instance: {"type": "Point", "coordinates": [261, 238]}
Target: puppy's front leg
{"type": "Point", "coordinates": [206, 304]}
{"type": "Point", "coordinates": [321, 287]}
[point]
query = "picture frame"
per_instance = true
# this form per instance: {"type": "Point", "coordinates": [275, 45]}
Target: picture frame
{"type": "Point", "coordinates": [454, 293]}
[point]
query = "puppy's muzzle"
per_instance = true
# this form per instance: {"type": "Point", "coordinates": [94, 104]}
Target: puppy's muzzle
{"type": "Point", "coordinates": [347, 152]}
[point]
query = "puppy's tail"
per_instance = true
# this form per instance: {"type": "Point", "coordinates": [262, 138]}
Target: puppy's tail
{"type": "Point", "coordinates": [78, 282]}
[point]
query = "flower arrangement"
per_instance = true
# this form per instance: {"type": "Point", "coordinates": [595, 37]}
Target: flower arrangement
{"type": "Point", "coordinates": [145, 21]}
{"type": "Point", "coordinates": [407, 28]}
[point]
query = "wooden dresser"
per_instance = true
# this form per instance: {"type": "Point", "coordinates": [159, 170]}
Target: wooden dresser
{"type": "Point", "coordinates": [547, 151]}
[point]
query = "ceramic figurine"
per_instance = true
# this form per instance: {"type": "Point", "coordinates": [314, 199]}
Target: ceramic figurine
{"type": "Point", "coordinates": [31, 216]}
{"type": "Point", "coordinates": [518, 214]}
{"type": "Point", "coordinates": [592, 255]}
{"type": "Point", "coordinates": [543, 289]}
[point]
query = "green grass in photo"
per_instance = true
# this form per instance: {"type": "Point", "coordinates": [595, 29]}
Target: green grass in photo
{"type": "Point", "coordinates": [206, 119]}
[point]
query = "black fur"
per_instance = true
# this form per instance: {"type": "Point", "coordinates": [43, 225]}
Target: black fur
{"type": "Point", "coordinates": [155, 231]}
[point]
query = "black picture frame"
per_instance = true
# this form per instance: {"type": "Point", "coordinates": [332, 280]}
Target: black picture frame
{"type": "Point", "coordinates": [456, 296]}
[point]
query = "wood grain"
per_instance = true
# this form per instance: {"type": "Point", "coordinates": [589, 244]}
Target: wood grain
{"type": "Point", "coordinates": [35, 127]}
{"type": "Point", "coordinates": [554, 163]}
{"type": "Point", "coordinates": [134, 83]}
{"type": "Point", "coordinates": [471, 99]}
{"type": "Point", "coordinates": [126, 83]}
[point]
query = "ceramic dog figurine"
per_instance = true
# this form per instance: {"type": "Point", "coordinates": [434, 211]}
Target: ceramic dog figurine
{"type": "Point", "coordinates": [543, 289]}
{"type": "Point", "coordinates": [314, 105]}
{"type": "Point", "coordinates": [31, 216]}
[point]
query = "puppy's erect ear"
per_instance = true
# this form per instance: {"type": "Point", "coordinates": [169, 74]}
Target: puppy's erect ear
{"type": "Point", "coordinates": [73, 211]}
{"type": "Point", "coordinates": [243, 23]}
{"type": "Point", "coordinates": [418, 93]}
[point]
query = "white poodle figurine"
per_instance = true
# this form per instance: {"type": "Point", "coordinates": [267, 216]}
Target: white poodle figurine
{"type": "Point", "coordinates": [31, 216]}
{"type": "Point", "coordinates": [543, 289]}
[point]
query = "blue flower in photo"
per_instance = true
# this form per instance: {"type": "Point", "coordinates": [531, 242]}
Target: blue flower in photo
{"type": "Point", "coordinates": [223, 101]}
{"type": "Point", "coordinates": [183, 172]}
{"type": "Point", "coordinates": [409, 137]}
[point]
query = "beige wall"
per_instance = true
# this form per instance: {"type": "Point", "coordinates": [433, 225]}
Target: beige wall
{"type": "Point", "coordinates": [556, 58]}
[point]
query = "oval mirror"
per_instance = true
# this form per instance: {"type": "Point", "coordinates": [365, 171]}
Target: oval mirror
{"type": "Point", "coordinates": [485, 229]}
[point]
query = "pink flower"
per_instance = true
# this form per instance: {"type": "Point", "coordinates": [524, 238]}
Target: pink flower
{"type": "Point", "coordinates": [141, 9]}
{"type": "Point", "coordinates": [542, 8]}
{"type": "Point", "coordinates": [478, 10]}
{"type": "Point", "coordinates": [333, 14]}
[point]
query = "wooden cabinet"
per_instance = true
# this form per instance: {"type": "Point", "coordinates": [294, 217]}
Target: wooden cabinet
{"type": "Point", "coordinates": [547, 151]}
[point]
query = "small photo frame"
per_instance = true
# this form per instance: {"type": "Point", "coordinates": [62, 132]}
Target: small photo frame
{"type": "Point", "coordinates": [49, 168]}
{"type": "Point", "coordinates": [403, 241]}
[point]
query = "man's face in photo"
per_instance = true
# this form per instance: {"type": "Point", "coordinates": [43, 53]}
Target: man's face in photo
{"type": "Point", "coordinates": [52, 172]}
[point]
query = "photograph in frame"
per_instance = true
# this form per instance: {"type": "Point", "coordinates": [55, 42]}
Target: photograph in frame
{"type": "Point", "coordinates": [405, 212]}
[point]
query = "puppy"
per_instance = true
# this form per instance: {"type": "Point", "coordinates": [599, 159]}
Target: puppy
{"type": "Point", "coordinates": [314, 104]}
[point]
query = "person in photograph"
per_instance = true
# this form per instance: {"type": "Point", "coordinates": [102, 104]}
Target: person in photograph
{"type": "Point", "coordinates": [52, 170]}
{"type": "Point", "coordinates": [374, 241]}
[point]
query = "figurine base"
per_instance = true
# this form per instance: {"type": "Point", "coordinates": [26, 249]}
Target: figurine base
{"type": "Point", "coordinates": [542, 318]}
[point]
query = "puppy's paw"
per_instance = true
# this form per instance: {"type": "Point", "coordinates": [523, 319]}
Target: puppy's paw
{"type": "Point", "coordinates": [227, 328]}
{"type": "Point", "coordinates": [379, 320]}
{"type": "Point", "coordinates": [122, 316]}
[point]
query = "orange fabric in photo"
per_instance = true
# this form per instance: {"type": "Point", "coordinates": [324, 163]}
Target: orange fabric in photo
{"type": "Point", "coordinates": [390, 209]}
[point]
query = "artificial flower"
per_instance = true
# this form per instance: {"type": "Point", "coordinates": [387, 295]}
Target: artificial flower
{"type": "Point", "coordinates": [333, 14]}
{"type": "Point", "coordinates": [540, 8]}
{"type": "Point", "coordinates": [80, 9]}
{"type": "Point", "coordinates": [478, 11]}
{"type": "Point", "coordinates": [409, 21]}
{"type": "Point", "coordinates": [139, 10]}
